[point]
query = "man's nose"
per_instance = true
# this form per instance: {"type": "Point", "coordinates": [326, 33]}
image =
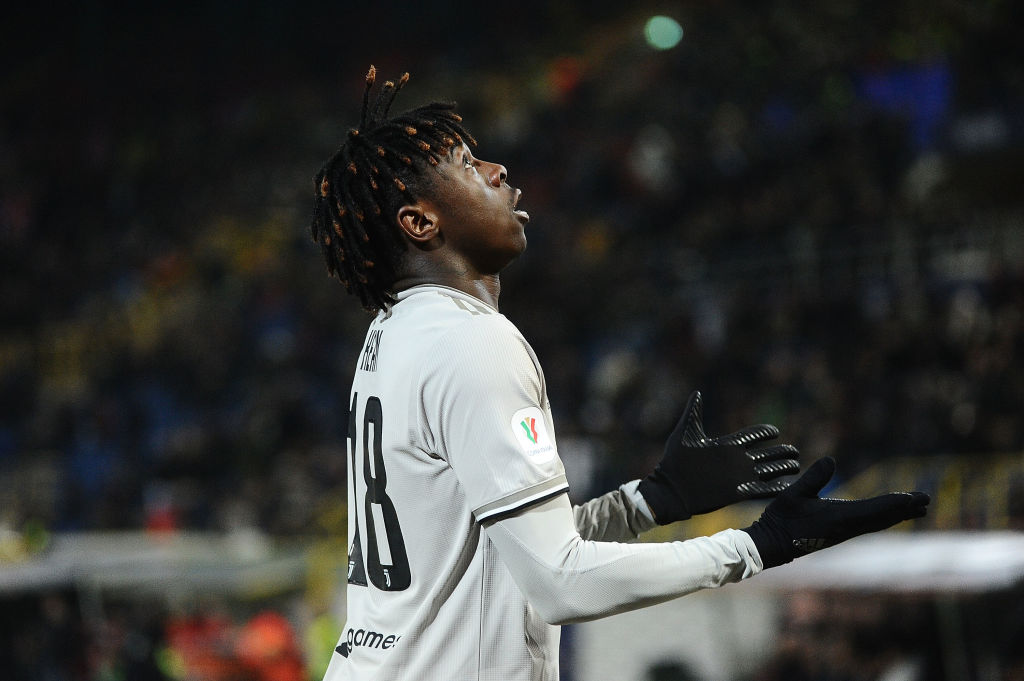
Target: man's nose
{"type": "Point", "coordinates": [496, 174]}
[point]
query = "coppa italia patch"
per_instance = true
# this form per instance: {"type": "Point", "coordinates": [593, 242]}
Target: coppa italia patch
{"type": "Point", "coordinates": [532, 434]}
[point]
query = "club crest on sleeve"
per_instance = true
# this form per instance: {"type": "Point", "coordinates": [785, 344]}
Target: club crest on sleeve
{"type": "Point", "coordinates": [531, 433]}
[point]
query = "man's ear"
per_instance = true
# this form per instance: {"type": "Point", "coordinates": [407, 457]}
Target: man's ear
{"type": "Point", "coordinates": [418, 223]}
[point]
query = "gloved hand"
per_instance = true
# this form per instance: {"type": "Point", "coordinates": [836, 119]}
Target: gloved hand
{"type": "Point", "coordinates": [798, 521]}
{"type": "Point", "coordinates": [699, 474]}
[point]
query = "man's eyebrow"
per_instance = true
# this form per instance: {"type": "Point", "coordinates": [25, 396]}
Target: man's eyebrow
{"type": "Point", "coordinates": [450, 153]}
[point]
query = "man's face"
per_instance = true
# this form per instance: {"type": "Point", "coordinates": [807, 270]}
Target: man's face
{"type": "Point", "coordinates": [477, 215]}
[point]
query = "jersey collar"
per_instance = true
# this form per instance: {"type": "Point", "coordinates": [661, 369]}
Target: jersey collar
{"type": "Point", "coordinates": [439, 288]}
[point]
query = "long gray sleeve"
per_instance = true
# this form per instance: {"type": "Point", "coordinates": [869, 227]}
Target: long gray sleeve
{"type": "Point", "coordinates": [569, 579]}
{"type": "Point", "coordinates": [619, 515]}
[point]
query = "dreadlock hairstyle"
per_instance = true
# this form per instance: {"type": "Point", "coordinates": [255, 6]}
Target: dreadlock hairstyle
{"type": "Point", "coordinates": [380, 167]}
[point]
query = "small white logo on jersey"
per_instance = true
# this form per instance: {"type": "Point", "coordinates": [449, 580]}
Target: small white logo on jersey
{"type": "Point", "coordinates": [532, 434]}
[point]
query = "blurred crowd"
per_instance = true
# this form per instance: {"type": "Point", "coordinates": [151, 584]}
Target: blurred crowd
{"type": "Point", "coordinates": [55, 637]}
{"type": "Point", "coordinates": [814, 221]}
{"type": "Point", "coordinates": [811, 214]}
{"type": "Point", "coordinates": [851, 636]}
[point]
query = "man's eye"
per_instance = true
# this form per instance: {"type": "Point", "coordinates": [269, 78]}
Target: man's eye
{"type": "Point", "coordinates": [467, 161]}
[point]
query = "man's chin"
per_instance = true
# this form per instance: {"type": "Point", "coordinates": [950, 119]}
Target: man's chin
{"type": "Point", "coordinates": [510, 256]}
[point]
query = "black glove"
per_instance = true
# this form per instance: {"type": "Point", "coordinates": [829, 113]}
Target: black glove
{"type": "Point", "coordinates": [699, 474]}
{"type": "Point", "coordinates": [798, 522]}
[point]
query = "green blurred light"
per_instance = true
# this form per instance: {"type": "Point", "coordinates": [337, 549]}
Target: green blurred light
{"type": "Point", "coordinates": [663, 33]}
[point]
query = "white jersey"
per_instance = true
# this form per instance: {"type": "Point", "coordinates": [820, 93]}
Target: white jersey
{"type": "Point", "coordinates": [450, 432]}
{"type": "Point", "coordinates": [449, 426]}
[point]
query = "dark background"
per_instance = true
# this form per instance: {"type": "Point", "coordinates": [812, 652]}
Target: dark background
{"type": "Point", "coordinates": [811, 213]}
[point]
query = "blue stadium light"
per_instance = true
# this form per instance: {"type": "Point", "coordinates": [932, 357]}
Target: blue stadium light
{"type": "Point", "coordinates": [663, 33]}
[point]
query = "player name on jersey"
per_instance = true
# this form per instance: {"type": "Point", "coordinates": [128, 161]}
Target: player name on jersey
{"type": "Point", "coordinates": [370, 350]}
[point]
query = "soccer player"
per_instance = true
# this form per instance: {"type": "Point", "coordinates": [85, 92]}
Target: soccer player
{"type": "Point", "coordinates": [465, 552]}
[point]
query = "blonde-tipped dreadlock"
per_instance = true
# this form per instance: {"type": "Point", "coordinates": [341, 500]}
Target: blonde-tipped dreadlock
{"type": "Point", "coordinates": [380, 166]}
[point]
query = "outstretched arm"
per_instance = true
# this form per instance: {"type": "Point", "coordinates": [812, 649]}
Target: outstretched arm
{"type": "Point", "coordinates": [569, 579]}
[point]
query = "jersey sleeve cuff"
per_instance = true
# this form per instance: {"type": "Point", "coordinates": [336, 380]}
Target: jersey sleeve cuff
{"type": "Point", "coordinates": [631, 490]}
{"type": "Point", "coordinates": [521, 499]}
{"type": "Point", "coordinates": [748, 550]}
